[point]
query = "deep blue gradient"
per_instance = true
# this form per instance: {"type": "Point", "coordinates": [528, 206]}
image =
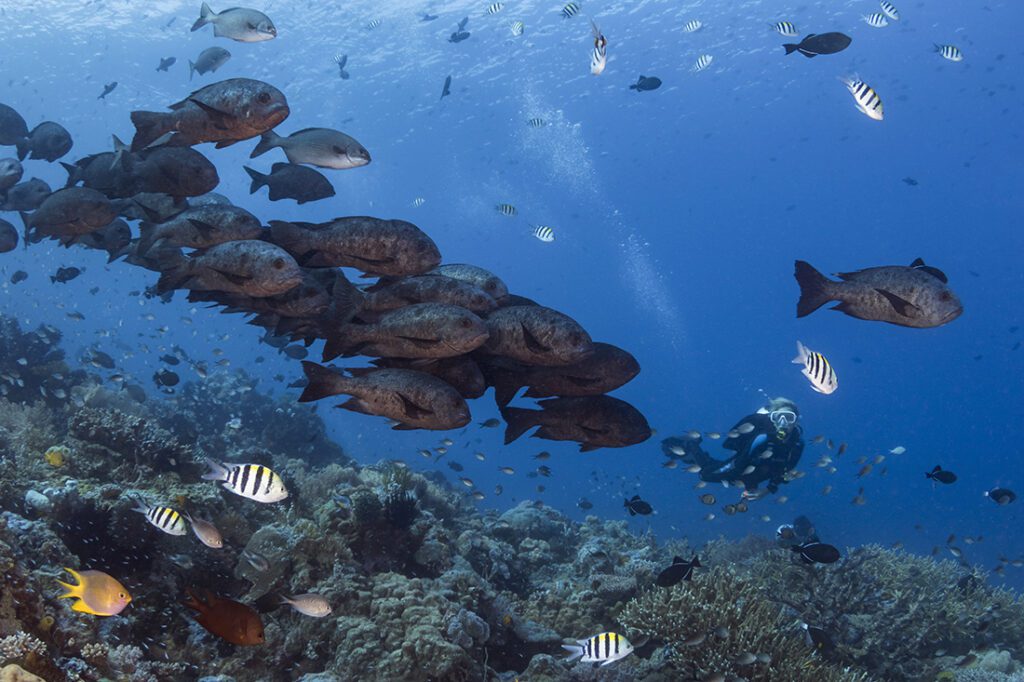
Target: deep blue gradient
{"type": "Point", "coordinates": [678, 214]}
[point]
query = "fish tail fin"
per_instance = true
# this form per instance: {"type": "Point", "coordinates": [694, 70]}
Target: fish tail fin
{"type": "Point", "coordinates": [801, 354]}
{"type": "Point", "coordinates": [206, 15]}
{"type": "Point", "coordinates": [791, 47]}
{"type": "Point", "coordinates": [191, 69]}
{"type": "Point", "coordinates": [575, 651]}
{"type": "Point", "coordinates": [147, 237]}
{"type": "Point", "coordinates": [323, 382]}
{"type": "Point", "coordinates": [268, 141]}
{"type": "Point", "coordinates": [335, 345]}
{"type": "Point", "coordinates": [26, 220]}
{"type": "Point", "coordinates": [22, 146]}
{"type": "Point", "coordinates": [73, 174]}
{"type": "Point", "coordinates": [814, 289]}
{"type": "Point", "coordinates": [139, 506]}
{"type": "Point", "coordinates": [346, 299]}
{"type": "Point", "coordinates": [217, 472]}
{"type": "Point", "coordinates": [173, 270]}
{"type": "Point", "coordinates": [518, 421]}
{"type": "Point", "coordinates": [258, 179]}
{"type": "Point", "coordinates": [74, 591]}
{"type": "Point", "coordinates": [505, 386]}
{"type": "Point", "coordinates": [149, 126]}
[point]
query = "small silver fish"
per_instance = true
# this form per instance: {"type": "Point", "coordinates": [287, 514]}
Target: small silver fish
{"type": "Point", "coordinates": [312, 605]}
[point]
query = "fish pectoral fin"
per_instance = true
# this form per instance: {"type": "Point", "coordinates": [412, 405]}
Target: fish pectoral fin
{"type": "Point", "coordinates": [419, 343]}
{"type": "Point", "coordinates": [532, 342]}
{"type": "Point", "coordinates": [211, 111]}
{"type": "Point", "coordinates": [900, 305]}
{"type": "Point", "coordinates": [238, 280]}
{"type": "Point", "coordinates": [404, 427]}
{"type": "Point", "coordinates": [411, 409]}
{"type": "Point", "coordinates": [356, 405]}
{"type": "Point", "coordinates": [225, 143]}
{"type": "Point", "coordinates": [371, 261]}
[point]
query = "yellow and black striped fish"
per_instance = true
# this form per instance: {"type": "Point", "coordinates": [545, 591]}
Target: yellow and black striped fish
{"type": "Point", "coordinates": [507, 210]}
{"type": "Point", "coordinates": [254, 481]}
{"type": "Point", "coordinates": [950, 52]}
{"type": "Point", "coordinates": [817, 369]}
{"type": "Point", "coordinates": [890, 10]}
{"type": "Point", "coordinates": [868, 101]}
{"type": "Point", "coordinates": [604, 648]}
{"type": "Point", "coordinates": [164, 518]}
{"type": "Point", "coordinates": [544, 233]}
{"type": "Point", "coordinates": [785, 28]}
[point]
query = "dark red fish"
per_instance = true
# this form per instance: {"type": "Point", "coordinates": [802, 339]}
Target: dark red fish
{"type": "Point", "coordinates": [228, 619]}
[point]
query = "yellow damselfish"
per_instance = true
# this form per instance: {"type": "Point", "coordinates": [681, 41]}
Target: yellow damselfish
{"type": "Point", "coordinates": [56, 455]}
{"type": "Point", "coordinates": [97, 593]}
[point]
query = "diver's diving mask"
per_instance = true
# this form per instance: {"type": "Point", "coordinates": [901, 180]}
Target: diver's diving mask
{"type": "Point", "coordinates": [783, 420]}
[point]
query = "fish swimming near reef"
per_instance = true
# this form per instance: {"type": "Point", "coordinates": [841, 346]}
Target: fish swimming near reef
{"type": "Point", "coordinates": [416, 400]}
{"type": "Point", "coordinates": [312, 605]}
{"type": "Point", "coordinates": [225, 112]}
{"type": "Point", "coordinates": [70, 211]}
{"type": "Point", "coordinates": [909, 296]}
{"type": "Point", "coordinates": [249, 267]}
{"type": "Point", "coordinates": [941, 475]}
{"type": "Point", "coordinates": [678, 571]}
{"type": "Point", "coordinates": [253, 481]}
{"type": "Point", "coordinates": [230, 620]}
{"type": "Point", "coordinates": [205, 531]}
{"type": "Point", "coordinates": [535, 335]}
{"type": "Point", "coordinates": [814, 552]}
{"type": "Point", "coordinates": [635, 505]}
{"type": "Point", "coordinates": [201, 227]}
{"type": "Point", "coordinates": [96, 593]}
{"type": "Point", "coordinates": [605, 648]}
{"type": "Point", "coordinates": [291, 181]}
{"type": "Point", "coordinates": [475, 275]}
{"type": "Point", "coordinates": [321, 147]}
{"type": "Point", "coordinates": [163, 518]}
{"type": "Point", "coordinates": [592, 421]}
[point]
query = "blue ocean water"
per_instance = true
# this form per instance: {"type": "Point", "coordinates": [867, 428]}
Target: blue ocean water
{"type": "Point", "coordinates": [678, 214]}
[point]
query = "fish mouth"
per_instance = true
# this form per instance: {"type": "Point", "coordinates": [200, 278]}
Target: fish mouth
{"type": "Point", "coordinates": [277, 114]}
{"type": "Point", "coordinates": [952, 315]}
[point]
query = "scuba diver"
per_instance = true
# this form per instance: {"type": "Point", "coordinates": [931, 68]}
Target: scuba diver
{"type": "Point", "coordinates": [767, 446]}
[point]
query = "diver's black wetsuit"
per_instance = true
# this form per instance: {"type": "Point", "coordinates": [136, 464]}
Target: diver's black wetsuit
{"type": "Point", "coordinates": [750, 449]}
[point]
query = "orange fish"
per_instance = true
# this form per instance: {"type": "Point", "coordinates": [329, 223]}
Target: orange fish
{"type": "Point", "coordinates": [96, 593]}
{"type": "Point", "coordinates": [228, 619]}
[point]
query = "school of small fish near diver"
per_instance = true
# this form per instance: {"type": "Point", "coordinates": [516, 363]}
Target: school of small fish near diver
{"type": "Point", "coordinates": [225, 529]}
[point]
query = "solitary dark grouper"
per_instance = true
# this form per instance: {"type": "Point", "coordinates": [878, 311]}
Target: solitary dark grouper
{"type": "Point", "coordinates": [910, 296]}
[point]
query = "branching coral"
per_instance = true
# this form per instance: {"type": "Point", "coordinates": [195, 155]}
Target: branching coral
{"type": "Point", "coordinates": [720, 623]}
{"type": "Point", "coordinates": [19, 645]}
{"type": "Point", "coordinates": [127, 434]}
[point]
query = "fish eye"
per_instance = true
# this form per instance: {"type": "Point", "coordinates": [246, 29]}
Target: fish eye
{"type": "Point", "coordinates": [278, 263]}
{"type": "Point", "coordinates": [466, 323]}
{"type": "Point", "coordinates": [263, 98]}
{"type": "Point", "coordinates": [121, 595]}
{"type": "Point", "coordinates": [945, 296]}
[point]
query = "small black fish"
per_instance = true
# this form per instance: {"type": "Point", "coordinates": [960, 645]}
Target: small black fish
{"type": "Point", "coordinates": [910, 181]}
{"type": "Point", "coordinates": [819, 639]}
{"type": "Point", "coordinates": [341, 60]}
{"type": "Point", "coordinates": [814, 552]}
{"type": "Point", "coordinates": [458, 36]}
{"type": "Point", "coordinates": [679, 570]}
{"type": "Point", "coordinates": [490, 423]}
{"type": "Point", "coordinates": [166, 377]}
{"type": "Point", "coordinates": [941, 475]}
{"type": "Point", "coordinates": [107, 89]}
{"type": "Point", "coordinates": [646, 83]}
{"type": "Point", "coordinates": [170, 359]}
{"type": "Point", "coordinates": [455, 466]}
{"type": "Point", "coordinates": [446, 90]}
{"type": "Point", "coordinates": [428, 17]}
{"type": "Point", "coordinates": [166, 63]}
{"type": "Point", "coordinates": [825, 43]}
{"type": "Point", "coordinates": [585, 504]}
{"type": "Point", "coordinates": [65, 274]}
{"type": "Point", "coordinates": [19, 276]}
{"type": "Point", "coordinates": [1001, 496]}
{"type": "Point", "coordinates": [637, 506]}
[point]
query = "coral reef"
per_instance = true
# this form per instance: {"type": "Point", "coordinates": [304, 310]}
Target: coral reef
{"type": "Point", "coordinates": [32, 366]}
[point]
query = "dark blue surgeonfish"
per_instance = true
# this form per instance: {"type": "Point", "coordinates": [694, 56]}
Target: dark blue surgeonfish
{"type": "Point", "coordinates": [941, 475]}
{"type": "Point", "coordinates": [677, 572]}
{"type": "Point", "coordinates": [814, 552]}
{"type": "Point", "coordinates": [636, 506]}
{"type": "Point", "coordinates": [815, 44]}
{"type": "Point", "coordinates": [645, 83]}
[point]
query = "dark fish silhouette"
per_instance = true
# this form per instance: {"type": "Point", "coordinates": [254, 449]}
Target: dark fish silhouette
{"type": "Point", "coordinates": [48, 141]}
{"type": "Point", "coordinates": [819, 640]}
{"type": "Point", "coordinates": [64, 275]}
{"type": "Point", "coordinates": [814, 552]}
{"type": "Point", "coordinates": [941, 475]}
{"type": "Point", "coordinates": [12, 126]}
{"type": "Point", "coordinates": [291, 181]}
{"type": "Point", "coordinates": [635, 506]}
{"type": "Point", "coordinates": [166, 63]}
{"type": "Point", "coordinates": [107, 89]}
{"type": "Point", "coordinates": [679, 570]}
{"type": "Point", "coordinates": [8, 237]}
{"type": "Point", "coordinates": [910, 296]}
{"type": "Point", "coordinates": [341, 60]}
{"type": "Point", "coordinates": [458, 36]}
{"type": "Point", "coordinates": [598, 421]}
{"type": "Point", "coordinates": [11, 172]}
{"type": "Point", "coordinates": [445, 91]}
{"type": "Point", "coordinates": [646, 83]}
{"type": "Point", "coordinates": [1001, 496]}
{"type": "Point", "coordinates": [815, 44]}
{"type": "Point", "coordinates": [428, 17]}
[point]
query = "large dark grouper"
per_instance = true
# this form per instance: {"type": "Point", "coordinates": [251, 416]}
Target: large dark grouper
{"type": "Point", "coordinates": [598, 421]}
{"type": "Point", "coordinates": [910, 296]}
{"type": "Point", "coordinates": [249, 267]}
{"type": "Point", "coordinates": [48, 141]}
{"type": "Point", "coordinates": [225, 112]}
{"type": "Point", "coordinates": [416, 400]}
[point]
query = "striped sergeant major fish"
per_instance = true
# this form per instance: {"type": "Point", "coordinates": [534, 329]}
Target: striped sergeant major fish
{"type": "Point", "coordinates": [164, 518]}
{"type": "Point", "coordinates": [571, 9]}
{"type": "Point", "coordinates": [950, 52]}
{"type": "Point", "coordinates": [254, 481]}
{"type": "Point", "coordinates": [506, 210]}
{"type": "Point", "coordinates": [868, 101]}
{"type": "Point", "coordinates": [817, 369]}
{"type": "Point", "coordinates": [536, 123]}
{"type": "Point", "coordinates": [785, 28]}
{"type": "Point", "coordinates": [373, 24]}
{"type": "Point", "coordinates": [703, 62]}
{"type": "Point", "coordinates": [604, 648]}
{"type": "Point", "coordinates": [517, 28]}
{"type": "Point", "coordinates": [693, 26]}
{"type": "Point", "coordinates": [599, 57]}
{"type": "Point", "coordinates": [495, 7]}
{"type": "Point", "coordinates": [876, 20]}
{"type": "Point", "coordinates": [544, 233]}
{"type": "Point", "coordinates": [890, 10]}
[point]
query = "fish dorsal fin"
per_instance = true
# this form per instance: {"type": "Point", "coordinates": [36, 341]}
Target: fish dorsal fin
{"type": "Point", "coordinates": [678, 560]}
{"type": "Point", "coordinates": [901, 305]}
{"type": "Point", "coordinates": [809, 36]}
{"type": "Point", "coordinates": [635, 497]}
{"type": "Point", "coordinates": [532, 342]}
{"type": "Point", "coordinates": [411, 409]}
{"type": "Point", "coordinates": [918, 262]}
{"type": "Point", "coordinates": [847, 276]}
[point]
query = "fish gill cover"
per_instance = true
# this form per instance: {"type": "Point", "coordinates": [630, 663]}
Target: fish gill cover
{"type": "Point", "coordinates": [614, 222]}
